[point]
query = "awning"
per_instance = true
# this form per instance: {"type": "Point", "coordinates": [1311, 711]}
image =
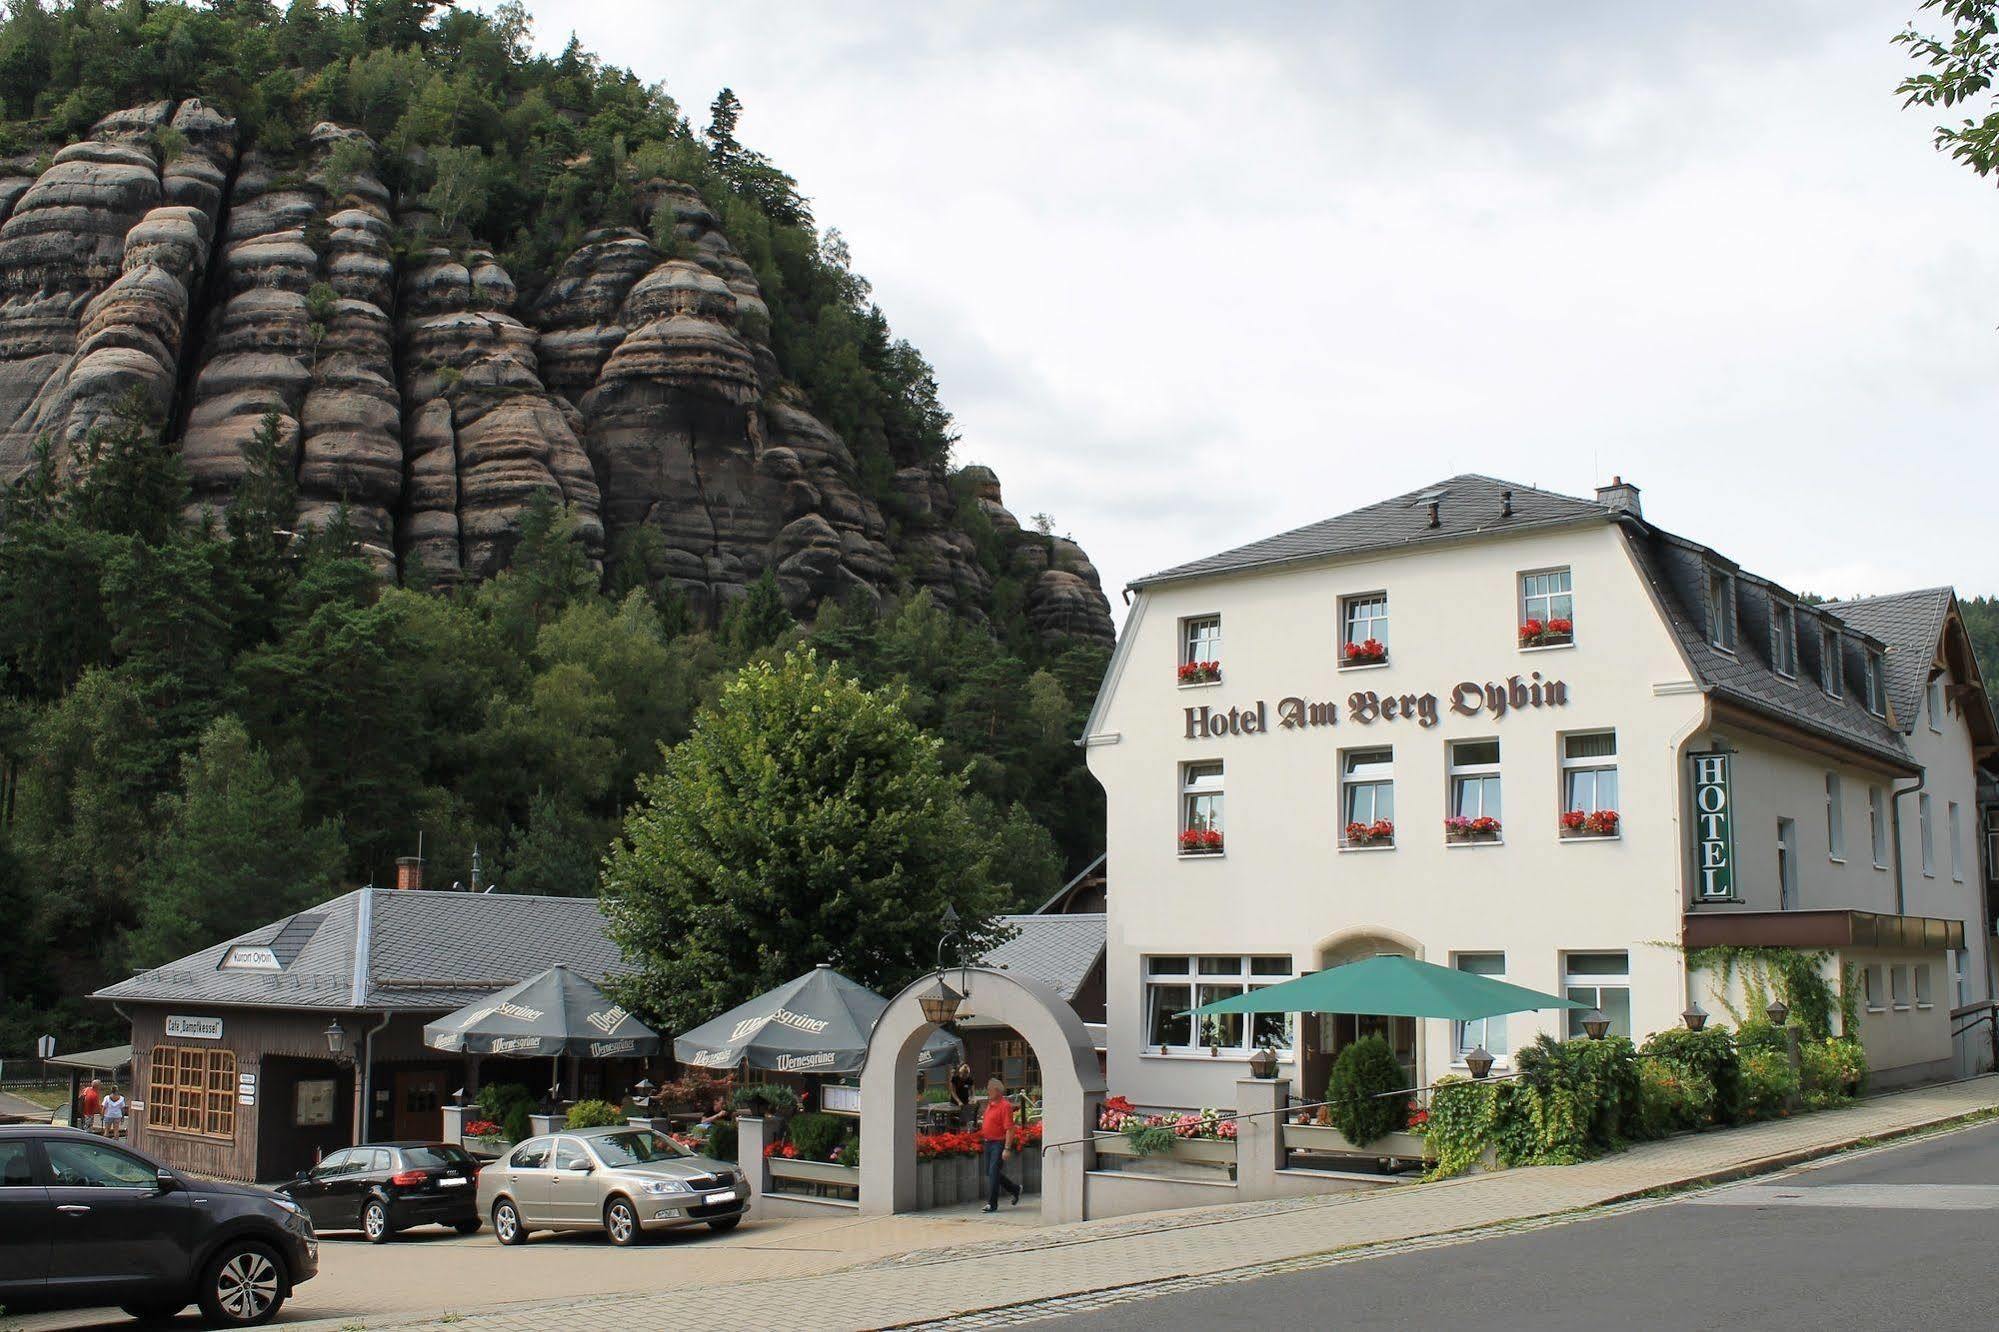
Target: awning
{"type": "Point", "coordinates": [818, 1023]}
{"type": "Point", "coordinates": [1392, 987]}
{"type": "Point", "coordinates": [554, 1013]}
{"type": "Point", "coordinates": [111, 1059]}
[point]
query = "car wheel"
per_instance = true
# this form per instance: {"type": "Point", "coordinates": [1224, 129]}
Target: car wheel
{"type": "Point", "coordinates": [724, 1224]}
{"type": "Point", "coordinates": [507, 1227]}
{"type": "Point", "coordinates": [152, 1313]}
{"type": "Point", "coordinates": [375, 1221]}
{"type": "Point", "coordinates": [469, 1226]}
{"type": "Point", "coordinates": [243, 1286]}
{"type": "Point", "coordinates": [621, 1222]}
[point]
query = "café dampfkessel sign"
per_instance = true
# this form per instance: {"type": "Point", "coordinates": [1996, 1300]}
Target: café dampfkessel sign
{"type": "Point", "coordinates": [1366, 707]}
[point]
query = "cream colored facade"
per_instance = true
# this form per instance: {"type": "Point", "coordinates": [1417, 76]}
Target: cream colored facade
{"type": "Point", "coordinates": [1284, 886]}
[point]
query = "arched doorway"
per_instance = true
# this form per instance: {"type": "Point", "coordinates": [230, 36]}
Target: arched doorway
{"type": "Point", "coordinates": [1322, 1036]}
{"type": "Point", "coordinates": [1071, 1084]}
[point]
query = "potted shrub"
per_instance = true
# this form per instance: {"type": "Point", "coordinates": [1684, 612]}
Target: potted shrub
{"type": "Point", "coordinates": [1201, 842]}
{"type": "Point", "coordinates": [1367, 652]}
{"type": "Point", "coordinates": [1200, 672]}
{"type": "Point", "coordinates": [1485, 828]}
{"type": "Point", "coordinates": [594, 1114]}
{"type": "Point", "coordinates": [1381, 832]}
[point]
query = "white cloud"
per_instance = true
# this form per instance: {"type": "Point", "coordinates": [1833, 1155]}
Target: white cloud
{"type": "Point", "coordinates": [1190, 277]}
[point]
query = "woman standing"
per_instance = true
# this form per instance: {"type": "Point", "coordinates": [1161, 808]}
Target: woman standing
{"type": "Point", "coordinates": [961, 1094]}
{"type": "Point", "coordinates": [114, 1114]}
{"type": "Point", "coordinates": [996, 1137]}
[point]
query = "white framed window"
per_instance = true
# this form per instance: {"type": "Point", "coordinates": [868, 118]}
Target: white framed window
{"type": "Point", "coordinates": [1367, 796]}
{"type": "Point", "coordinates": [1491, 1031]}
{"type": "Point", "coordinates": [1784, 638]}
{"type": "Point", "coordinates": [1721, 609]}
{"type": "Point", "coordinates": [1602, 981]}
{"type": "Point", "coordinates": [1877, 825]}
{"type": "Point", "coordinates": [1547, 600]}
{"type": "Point", "coordinates": [1936, 704]}
{"type": "Point", "coordinates": [1957, 976]}
{"type": "Point", "coordinates": [1787, 864]}
{"type": "Point", "coordinates": [1927, 834]}
{"type": "Point", "coordinates": [1876, 696]}
{"type": "Point", "coordinates": [1200, 640]}
{"type": "Point", "coordinates": [1898, 988]}
{"type": "Point", "coordinates": [1200, 808]}
{"type": "Point", "coordinates": [1924, 998]}
{"type": "Point", "coordinates": [1364, 629]}
{"type": "Point", "coordinates": [1832, 663]}
{"type": "Point", "coordinates": [1871, 985]}
{"type": "Point", "coordinates": [1474, 779]}
{"type": "Point", "coordinates": [1835, 818]}
{"type": "Point", "coordinates": [1589, 783]}
{"type": "Point", "coordinates": [1176, 984]}
{"type": "Point", "coordinates": [1955, 824]}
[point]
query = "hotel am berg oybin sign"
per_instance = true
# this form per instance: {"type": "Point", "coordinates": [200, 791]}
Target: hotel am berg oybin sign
{"type": "Point", "coordinates": [1364, 707]}
{"type": "Point", "coordinates": [1714, 828]}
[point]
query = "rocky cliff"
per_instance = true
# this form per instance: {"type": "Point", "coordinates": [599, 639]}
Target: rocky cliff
{"type": "Point", "coordinates": [416, 389]}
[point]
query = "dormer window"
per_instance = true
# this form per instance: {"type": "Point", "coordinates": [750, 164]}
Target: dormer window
{"type": "Point", "coordinates": [1200, 649]}
{"type": "Point", "coordinates": [1721, 609]}
{"type": "Point", "coordinates": [1877, 693]}
{"type": "Point", "coordinates": [1784, 638]}
{"type": "Point", "coordinates": [1832, 666]}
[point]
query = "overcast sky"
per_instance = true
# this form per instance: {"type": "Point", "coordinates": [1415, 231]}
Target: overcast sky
{"type": "Point", "coordinates": [1194, 274]}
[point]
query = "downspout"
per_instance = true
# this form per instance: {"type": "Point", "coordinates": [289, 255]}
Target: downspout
{"type": "Point", "coordinates": [357, 999]}
{"type": "Point", "coordinates": [1895, 812]}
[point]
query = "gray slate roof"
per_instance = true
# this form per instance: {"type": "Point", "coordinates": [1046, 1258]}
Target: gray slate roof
{"type": "Point", "coordinates": [1468, 505]}
{"type": "Point", "coordinates": [1058, 951]}
{"type": "Point", "coordinates": [429, 951]}
{"type": "Point", "coordinates": [1911, 624]}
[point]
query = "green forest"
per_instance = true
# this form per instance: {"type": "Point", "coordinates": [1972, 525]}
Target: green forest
{"type": "Point", "coordinates": [203, 727]}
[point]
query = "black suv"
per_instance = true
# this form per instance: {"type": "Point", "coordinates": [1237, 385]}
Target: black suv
{"type": "Point", "coordinates": [85, 1222]}
{"type": "Point", "coordinates": [385, 1187]}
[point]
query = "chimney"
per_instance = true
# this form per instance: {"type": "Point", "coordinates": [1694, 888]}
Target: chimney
{"type": "Point", "coordinates": [409, 872]}
{"type": "Point", "coordinates": [1505, 504]}
{"type": "Point", "coordinates": [1620, 496]}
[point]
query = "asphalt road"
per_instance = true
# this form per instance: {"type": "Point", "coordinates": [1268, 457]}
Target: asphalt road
{"type": "Point", "coordinates": [1905, 1236]}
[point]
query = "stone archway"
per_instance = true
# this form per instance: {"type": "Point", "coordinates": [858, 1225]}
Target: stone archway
{"type": "Point", "coordinates": [1072, 1088]}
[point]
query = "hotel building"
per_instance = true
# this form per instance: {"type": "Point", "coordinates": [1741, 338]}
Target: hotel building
{"type": "Point", "coordinates": [1539, 738]}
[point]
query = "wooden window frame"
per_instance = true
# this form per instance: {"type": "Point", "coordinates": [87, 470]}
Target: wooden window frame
{"type": "Point", "coordinates": [191, 1090]}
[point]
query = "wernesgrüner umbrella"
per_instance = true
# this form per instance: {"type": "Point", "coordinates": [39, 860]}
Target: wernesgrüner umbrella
{"type": "Point", "coordinates": [553, 1014]}
{"type": "Point", "coordinates": [818, 1023]}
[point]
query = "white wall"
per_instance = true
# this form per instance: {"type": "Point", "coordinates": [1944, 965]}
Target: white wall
{"type": "Point", "coordinates": [1284, 886]}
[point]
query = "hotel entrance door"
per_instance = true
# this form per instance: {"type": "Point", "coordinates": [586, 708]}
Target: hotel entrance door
{"type": "Point", "coordinates": [1330, 1033]}
{"type": "Point", "coordinates": [419, 1106]}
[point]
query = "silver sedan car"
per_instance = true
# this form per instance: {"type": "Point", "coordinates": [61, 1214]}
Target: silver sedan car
{"type": "Point", "coordinates": [623, 1181]}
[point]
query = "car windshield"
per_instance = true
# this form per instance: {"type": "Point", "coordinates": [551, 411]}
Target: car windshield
{"type": "Point", "coordinates": [441, 1154]}
{"type": "Point", "coordinates": [637, 1147]}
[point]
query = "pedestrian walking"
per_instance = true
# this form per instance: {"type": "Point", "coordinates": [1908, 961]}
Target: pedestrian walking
{"type": "Point", "coordinates": [90, 1108]}
{"type": "Point", "coordinates": [114, 1114]}
{"type": "Point", "coordinates": [996, 1138]}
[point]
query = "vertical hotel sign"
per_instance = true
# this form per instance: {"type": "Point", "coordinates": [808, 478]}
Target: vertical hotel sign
{"type": "Point", "coordinates": [1714, 829]}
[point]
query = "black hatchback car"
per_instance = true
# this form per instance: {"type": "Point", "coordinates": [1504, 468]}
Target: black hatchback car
{"type": "Point", "coordinates": [384, 1187]}
{"type": "Point", "coordinates": [85, 1222]}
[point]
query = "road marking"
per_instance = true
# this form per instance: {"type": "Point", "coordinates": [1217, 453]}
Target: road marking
{"type": "Point", "coordinates": [1904, 1197]}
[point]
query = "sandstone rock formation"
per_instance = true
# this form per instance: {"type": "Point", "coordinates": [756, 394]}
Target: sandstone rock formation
{"type": "Point", "coordinates": [419, 396]}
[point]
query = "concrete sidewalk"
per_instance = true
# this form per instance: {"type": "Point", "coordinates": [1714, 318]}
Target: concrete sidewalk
{"type": "Point", "coordinates": [1032, 1265]}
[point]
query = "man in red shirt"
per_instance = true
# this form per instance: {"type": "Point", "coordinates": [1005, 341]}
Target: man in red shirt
{"type": "Point", "coordinates": [995, 1137]}
{"type": "Point", "coordinates": [89, 1105]}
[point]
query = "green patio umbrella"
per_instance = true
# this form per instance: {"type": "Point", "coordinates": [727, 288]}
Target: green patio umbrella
{"type": "Point", "coordinates": [1392, 987]}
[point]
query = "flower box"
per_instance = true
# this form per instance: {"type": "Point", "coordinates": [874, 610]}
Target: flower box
{"type": "Point", "coordinates": [1482, 829]}
{"type": "Point", "coordinates": [1200, 672]}
{"type": "Point", "coordinates": [1201, 842]}
{"type": "Point", "coordinates": [1326, 1139]}
{"type": "Point", "coordinates": [488, 1145]}
{"type": "Point", "coordinates": [1192, 1151]}
{"type": "Point", "coordinates": [815, 1172]}
{"type": "Point", "coordinates": [1367, 652]}
{"type": "Point", "coordinates": [1597, 823]}
{"type": "Point", "coordinates": [1547, 633]}
{"type": "Point", "coordinates": [1379, 833]}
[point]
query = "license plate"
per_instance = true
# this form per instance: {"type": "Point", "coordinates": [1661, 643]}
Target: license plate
{"type": "Point", "coordinates": [728, 1197]}
{"type": "Point", "coordinates": [452, 1182]}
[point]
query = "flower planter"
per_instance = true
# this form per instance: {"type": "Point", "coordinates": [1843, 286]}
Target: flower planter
{"type": "Point", "coordinates": [1368, 653]}
{"type": "Point", "coordinates": [1194, 1151]}
{"type": "Point", "coordinates": [1200, 842]}
{"type": "Point", "coordinates": [1585, 835]}
{"type": "Point", "coordinates": [1200, 673]}
{"type": "Point", "coordinates": [815, 1172]}
{"type": "Point", "coordinates": [486, 1146]}
{"type": "Point", "coordinates": [1467, 838]}
{"type": "Point", "coordinates": [1326, 1138]}
{"type": "Point", "coordinates": [970, 1182]}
